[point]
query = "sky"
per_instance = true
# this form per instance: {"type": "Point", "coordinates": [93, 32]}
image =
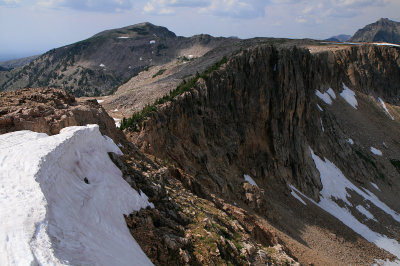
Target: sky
{"type": "Point", "coordinates": [30, 27]}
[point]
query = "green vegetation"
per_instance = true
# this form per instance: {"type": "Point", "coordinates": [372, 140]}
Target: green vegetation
{"type": "Point", "coordinates": [160, 72]}
{"type": "Point", "coordinates": [185, 59]}
{"type": "Point", "coordinates": [137, 117]}
{"type": "Point", "coordinates": [134, 122]}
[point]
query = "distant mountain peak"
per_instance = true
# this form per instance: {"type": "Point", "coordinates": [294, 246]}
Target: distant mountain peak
{"type": "Point", "coordinates": [339, 38]}
{"type": "Point", "coordinates": [140, 29]}
{"type": "Point", "coordinates": [383, 30]}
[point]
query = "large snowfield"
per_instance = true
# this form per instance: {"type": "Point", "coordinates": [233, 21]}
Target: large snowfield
{"type": "Point", "coordinates": [336, 187]}
{"type": "Point", "coordinates": [62, 201]}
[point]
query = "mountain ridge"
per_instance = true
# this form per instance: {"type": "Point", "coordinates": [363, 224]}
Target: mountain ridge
{"type": "Point", "coordinates": [103, 62]}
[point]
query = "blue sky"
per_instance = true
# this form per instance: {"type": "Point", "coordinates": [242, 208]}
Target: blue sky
{"type": "Point", "coordinates": [30, 27]}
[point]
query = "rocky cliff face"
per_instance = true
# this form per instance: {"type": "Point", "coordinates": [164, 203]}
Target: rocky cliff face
{"type": "Point", "coordinates": [49, 110]}
{"type": "Point", "coordinates": [384, 30]}
{"type": "Point", "coordinates": [371, 69]}
{"type": "Point", "coordinates": [259, 115]}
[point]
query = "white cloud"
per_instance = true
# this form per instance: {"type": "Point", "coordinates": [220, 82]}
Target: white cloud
{"type": "Point", "coordinates": [236, 8]}
{"type": "Point", "coordinates": [9, 2]}
{"type": "Point", "coordinates": [149, 7]}
{"type": "Point", "coordinates": [106, 6]}
{"type": "Point", "coordinates": [224, 8]}
{"type": "Point", "coordinates": [301, 20]}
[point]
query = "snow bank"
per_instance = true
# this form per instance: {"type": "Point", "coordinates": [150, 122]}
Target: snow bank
{"type": "Point", "coordinates": [376, 151]}
{"type": "Point", "coordinates": [152, 42]}
{"type": "Point", "coordinates": [375, 186]}
{"type": "Point", "coordinates": [117, 122]}
{"type": "Point", "coordinates": [102, 65]}
{"type": "Point", "coordinates": [331, 93]}
{"type": "Point", "coordinates": [250, 180]}
{"type": "Point", "coordinates": [384, 108]}
{"type": "Point", "coordinates": [349, 96]}
{"type": "Point", "coordinates": [62, 201]}
{"type": "Point", "coordinates": [294, 194]}
{"type": "Point", "coordinates": [365, 212]}
{"type": "Point", "coordinates": [335, 187]}
{"type": "Point", "coordinates": [100, 101]}
{"type": "Point", "coordinates": [123, 37]}
{"type": "Point", "coordinates": [324, 97]}
{"type": "Point", "coordinates": [386, 44]}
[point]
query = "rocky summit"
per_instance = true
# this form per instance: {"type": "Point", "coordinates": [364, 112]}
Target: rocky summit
{"type": "Point", "coordinates": [227, 152]}
{"type": "Point", "coordinates": [384, 30]}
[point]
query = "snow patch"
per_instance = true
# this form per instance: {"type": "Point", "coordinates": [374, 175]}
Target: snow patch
{"type": "Point", "coordinates": [294, 194]}
{"type": "Point", "coordinates": [102, 65]}
{"type": "Point", "coordinates": [384, 108]}
{"type": "Point", "coordinates": [117, 122]}
{"type": "Point", "coordinates": [375, 186]}
{"type": "Point", "coordinates": [365, 212]}
{"type": "Point", "coordinates": [320, 108]}
{"type": "Point", "coordinates": [123, 37]}
{"type": "Point", "coordinates": [376, 151]}
{"type": "Point", "coordinates": [64, 202]}
{"type": "Point", "coordinates": [335, 186]}
{"type": "Point", "coordinates": [349, 96]}
{"type": "Point", "coordinates": [331, 93]}
{"type": "Point", "coordinates": [152, 42]}
{"type": "Point", "coordinates": [250, 180]}
{"type": "Point", "coordinates": [100, 101]}
{"type": "Point", "coordinates": [386, 44]}
{"type": "Point", "coordinates": [350, 141]}
{"type": "Point", "coordinates": [322, 125]}
{"type": "Point", "coordinates": [324, 97]}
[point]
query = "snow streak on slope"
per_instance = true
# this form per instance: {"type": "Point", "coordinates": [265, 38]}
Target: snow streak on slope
{"type": "Point", "coordinates": [324, 96]}
{"type": "Point", "coordinates": [62, 201]}
{"type": "Point", "coordinates": [385, 108]}
{"type": "Point", "coordinates": [294, 194]}
{"type": "Point", "coordinates": [376, 151]}
{"type": "Point", "coordinates": [335, 187]}
{"type": "Point", "coordinates": [247, 178]}
{"type": "Point", "coordinates": [349, 96]}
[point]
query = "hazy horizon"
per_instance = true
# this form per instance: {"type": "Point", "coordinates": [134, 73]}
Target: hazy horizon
{"type": "Point", "coordinates": [33, 27]}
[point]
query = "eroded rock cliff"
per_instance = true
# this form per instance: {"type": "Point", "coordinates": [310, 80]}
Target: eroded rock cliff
{"type": "Point", "coordinates": [49, 110]}
{"type": "Point", "coordinates": [259, 115]}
